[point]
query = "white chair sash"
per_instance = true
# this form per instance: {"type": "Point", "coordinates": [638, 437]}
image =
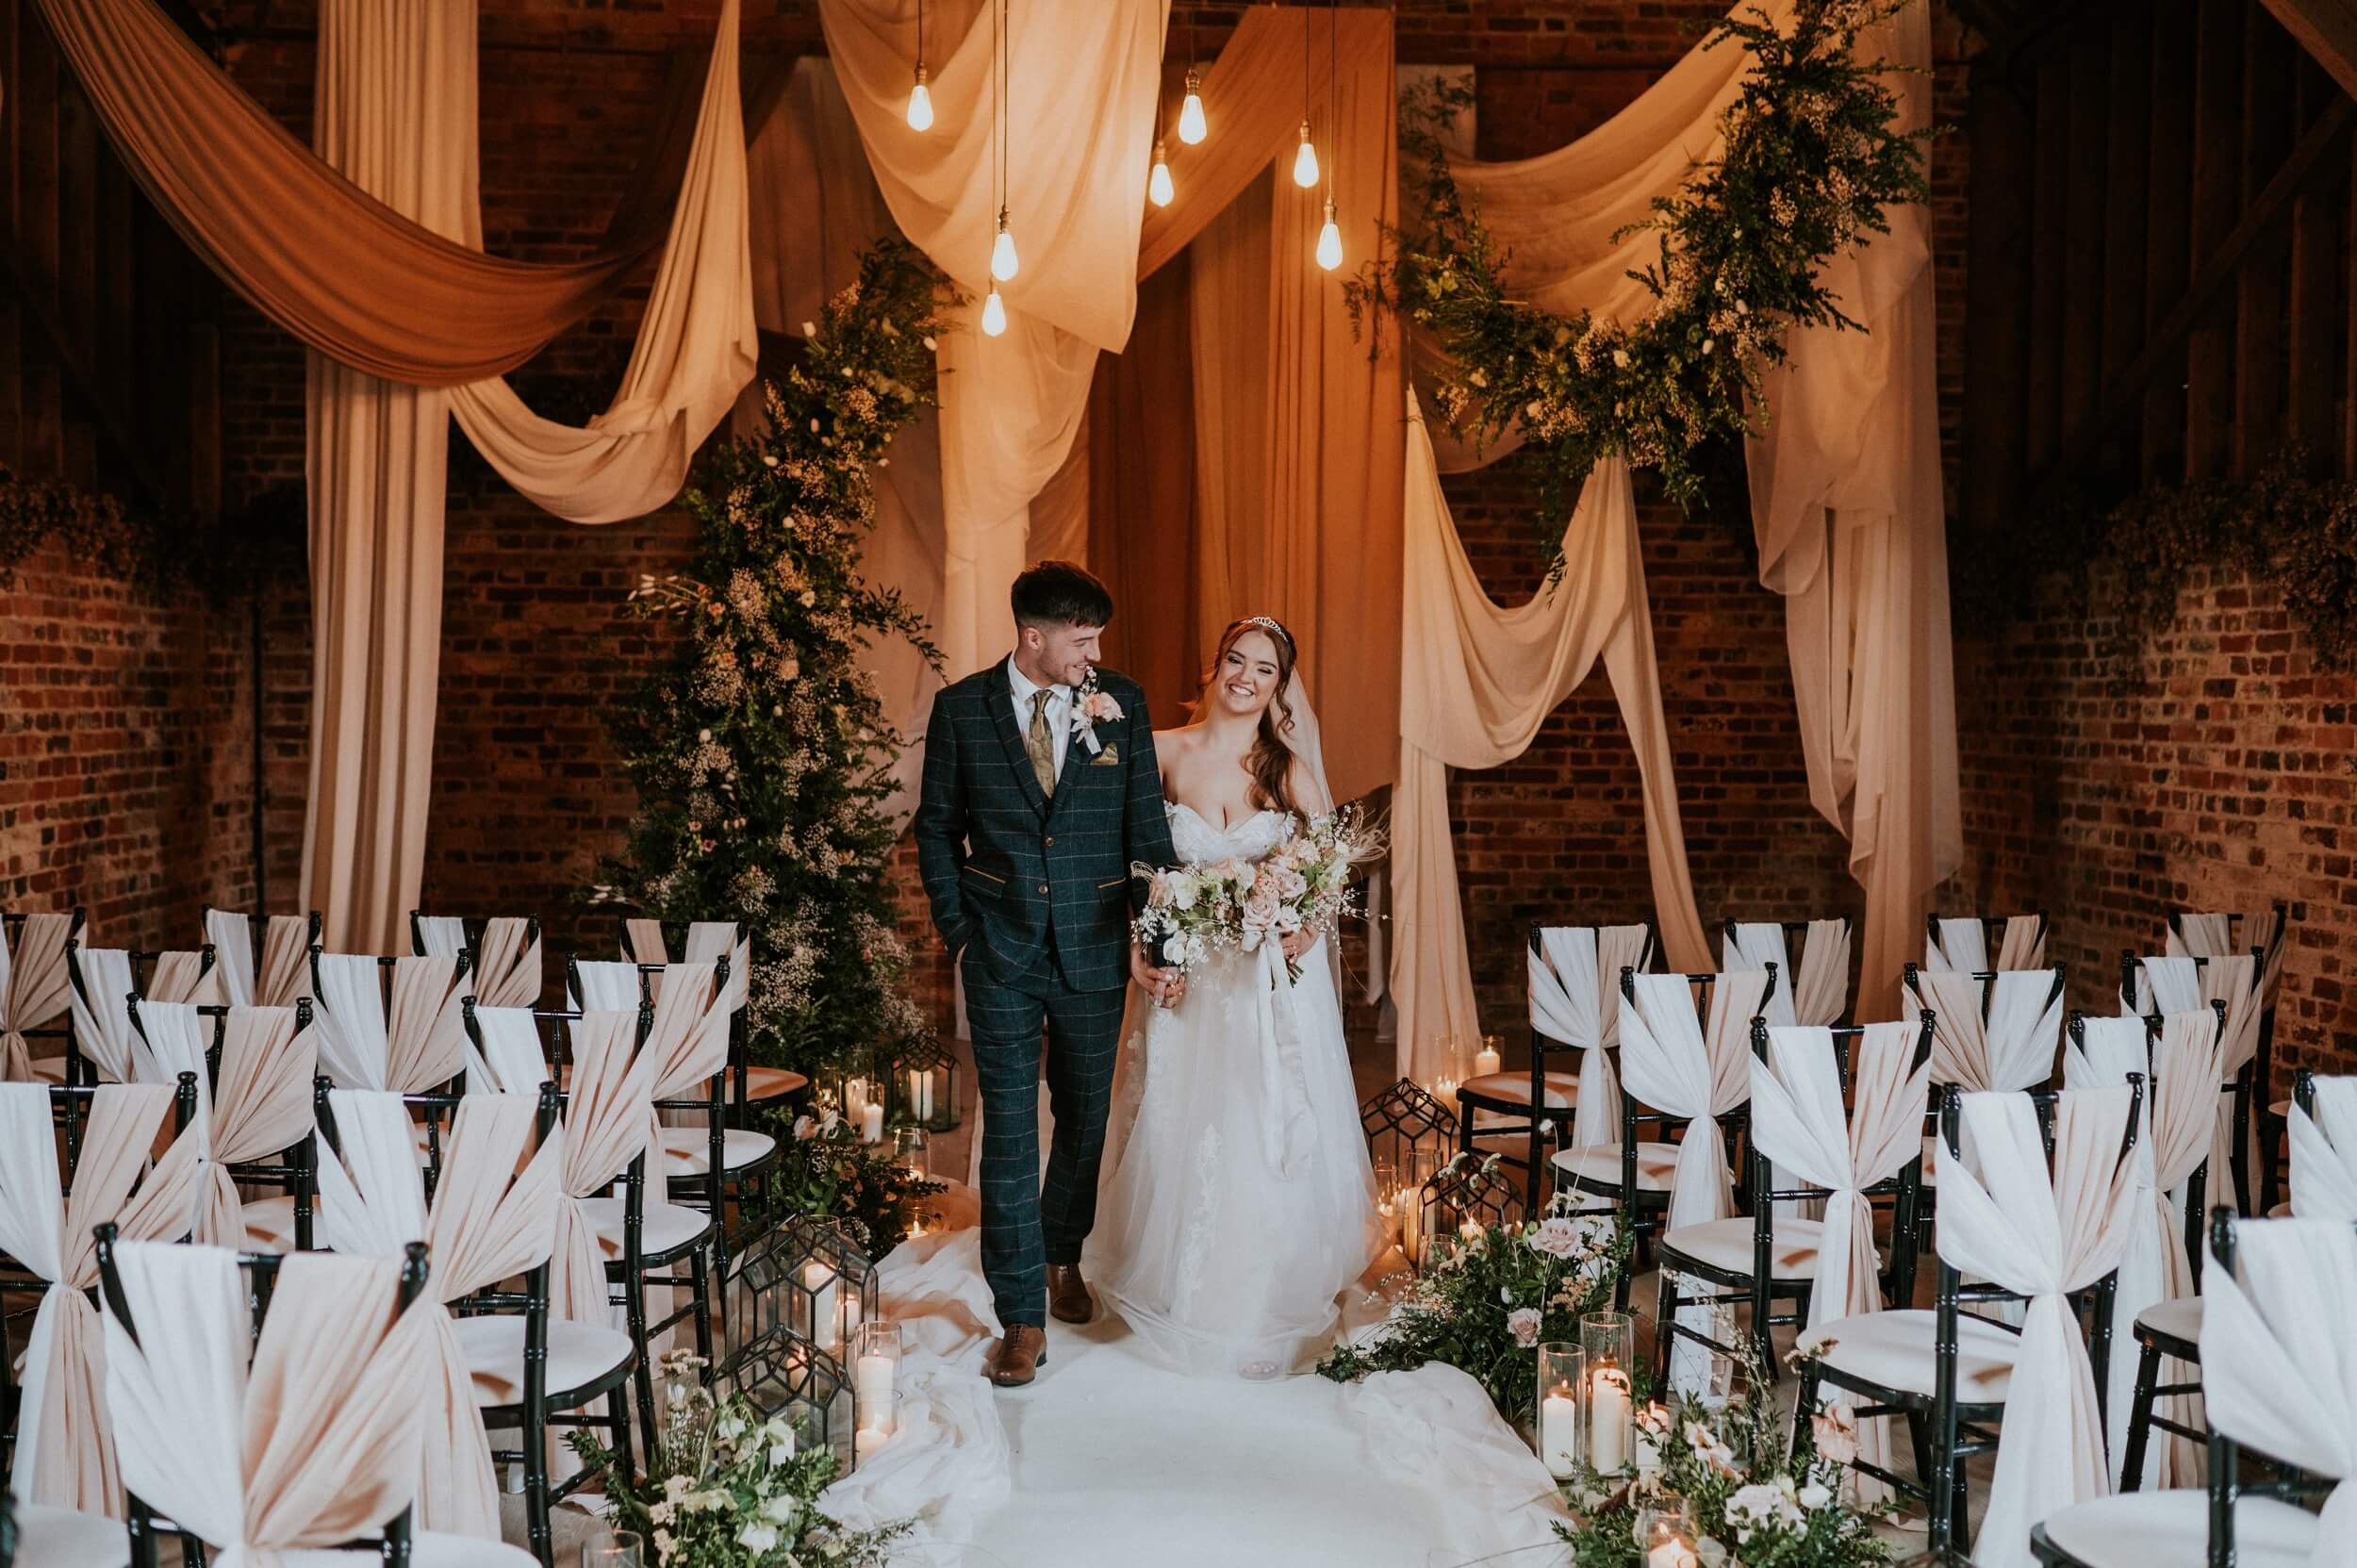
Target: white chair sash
{"type": "Point", "coordinates": [34, 988]}
{"type": "Point", "coordinates": [512, 1060]}
{"type": "Point", "coordinates": [283, 963]}
{"type": "Point", "coordinates": [507, 960]}
{"type": "Point", "coordinates": [606, 1127]}
{"type": "Point", "coordinates": [2005, 1219]}
{"type": "Point", "coordinates": [2215, 936]}
{"type": "Point", "coordinates": [2279, 1365]}
{"type": "Point", "coordinates": [102, 1018]}
{"type": "Point", "coordinates": [1669, 1063]}
{"type": "Point", "coordinates": [2324, 1154]}
{"type": "Point", "coordinates": [65, 1452]}
{"type": "Point", "coordinates": [1962, 944]}
{"type": "Point", "coordinates": [493, 1217]}
{"type": "Point", "coordinates": [2171, 1145]}
{"type": "Point", "coordinates": [1818, 991]}
{"type": "Point", "coordinates": [2163, 984]}
{"type": "Point", "coordinates": [688, 1036]}
{"type": "Point", "coordinates": [711, 939]}
{"type": "Point", "coordinates": [185, 976]}
{"type": "Point", "coordinates": [1575, 998]}
{"type": "Point", "coordinates": [418, 1045]}
{"type": "Point", "coordinates": [316, 1443]}
{"type": "Point", "coordinates": [2009, 1048]}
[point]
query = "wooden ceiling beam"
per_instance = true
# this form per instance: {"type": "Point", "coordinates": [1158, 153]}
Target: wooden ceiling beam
{"type": "Point", "coordinates": [2328, 30]}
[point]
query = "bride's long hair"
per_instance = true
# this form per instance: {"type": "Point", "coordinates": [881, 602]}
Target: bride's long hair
{"type": "Point", "coordinates": [1271, 762]}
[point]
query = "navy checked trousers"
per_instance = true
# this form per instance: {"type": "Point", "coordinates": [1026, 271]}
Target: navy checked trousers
{"type": "Point", "coordinates": [1029, 1222]}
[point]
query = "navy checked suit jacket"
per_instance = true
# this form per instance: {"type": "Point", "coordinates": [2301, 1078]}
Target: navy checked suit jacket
{"type": "Point", "coordinates": [1019, 870]}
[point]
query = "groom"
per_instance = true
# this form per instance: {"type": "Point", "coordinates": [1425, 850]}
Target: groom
{"type": "Point", "coordinates": [1040, 792]}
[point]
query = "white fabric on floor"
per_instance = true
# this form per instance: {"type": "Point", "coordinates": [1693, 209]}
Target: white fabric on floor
{"type": "Point", "coordinates": [1113, 1458]}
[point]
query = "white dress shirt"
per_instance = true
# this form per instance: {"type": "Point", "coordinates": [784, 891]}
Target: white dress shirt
{"type": "Point", "coordinates": [1059, 710]}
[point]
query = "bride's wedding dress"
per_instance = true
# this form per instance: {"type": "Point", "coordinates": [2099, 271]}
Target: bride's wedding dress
{"type": "Point", "coordinates": [1237, 1201]}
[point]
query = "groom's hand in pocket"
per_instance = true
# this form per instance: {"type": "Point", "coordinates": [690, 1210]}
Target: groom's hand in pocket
{"type": "Point", "coordinates": [1167, 986]}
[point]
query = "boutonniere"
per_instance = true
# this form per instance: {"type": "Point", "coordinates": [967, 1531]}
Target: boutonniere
{"type": "Point", "coordinates": [1093, 705]}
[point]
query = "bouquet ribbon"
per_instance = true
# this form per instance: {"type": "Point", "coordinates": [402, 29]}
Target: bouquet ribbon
{"type": "Point", "coordinates": [1287, 1135]}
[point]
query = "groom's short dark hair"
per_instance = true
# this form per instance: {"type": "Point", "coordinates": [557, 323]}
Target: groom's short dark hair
{"type": "Point", "coordinates": [1059, 593]}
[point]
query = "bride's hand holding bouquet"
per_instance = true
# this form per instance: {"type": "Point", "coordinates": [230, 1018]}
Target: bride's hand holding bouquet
{"type": "Point", "coordinates": [1299, 892]}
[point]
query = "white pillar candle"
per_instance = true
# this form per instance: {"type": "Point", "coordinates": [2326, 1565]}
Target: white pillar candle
{"type": "Point", "coordinates": [1607, 1412]}
{"type": "Point", "coordinates": [872, 1379]}
{"type": "Point", "coordinates": [871, 1123]}
{"type": "Point", "coordinates": [1411, 1226]}
{"type": "Point", "coordinates": [855, 1097]}
{"type": "Point", "coordinates": [1485, 1062]}
{"type": "Point", "coordinates": [921, 1093]}
{"type": "Point", "coordinates": [826, 1322]}
{"type": "Point", "coordinates": [1649, 1451]}
{"type": "Point", "coordinates": [868, 1439]}
{"type": "Point", "coordinates": [1558, 1433]}
{"type": "Point", "coordinates": [1672, 1552]}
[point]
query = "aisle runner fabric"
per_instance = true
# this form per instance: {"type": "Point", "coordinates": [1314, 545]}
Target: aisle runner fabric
{"type": "Point", "coordinates": [1112, 1456]}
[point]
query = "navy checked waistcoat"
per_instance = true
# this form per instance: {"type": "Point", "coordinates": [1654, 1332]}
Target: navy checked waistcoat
{"type": "Point", "coordinates": [1024, 872]}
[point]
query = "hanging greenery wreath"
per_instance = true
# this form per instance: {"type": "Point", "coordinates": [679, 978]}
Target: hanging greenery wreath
{"type": "Point", "coordinates": [1810, 164]}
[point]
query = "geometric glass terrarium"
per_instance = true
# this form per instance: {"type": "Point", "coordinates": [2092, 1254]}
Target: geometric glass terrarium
{"type": "Point", "coordinates": [922, 1085]}
{"type": "Point", "coordinates": [783, 1374]}
{"type": "Point", "coordinates": [1469, 1191]}
{"type": "Point", "coordinates": [1405, 1118]}
{"type": "Point", "coordinates": [806, 1278]}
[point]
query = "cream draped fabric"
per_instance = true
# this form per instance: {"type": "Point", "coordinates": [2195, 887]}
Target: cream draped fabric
{"type": "Point", "coordinates": [2279, 1366]}
{"type": "Point", "coordinates": [262, 1106]}
{"type": "Point", "coordinates": [315, 1443]}
{"type": "Point", "coordinates": [1484, 680]}
{"type": "Point", "coordinates": [2003, 1217]}
{"type": "Point", "coordinates": [1576, 998]}
{"type": "Point", "coordinates": [2174, 1139]}
{"type": "Point", "coordinates": [1962, 943]}
{"type": "Point", "coordinates": [493, 1217]}
{"type": "Point", "coordinates": [409, 1048]}
{"type": "Point", "coordinates": [1818, 991]}
{"type": "Point", "coordinates": [511, 1059]}
{"type": "Point", "coordinates": [1081, 82]}
{"type": "Point", "coordinates": [687, 1039]}
{"type": "Point", "coordinates": [276, 976]}
{"type": "Point", "coordinates": [2324, 1154]}
{"type": "Point", "coordinates": [2183, 983]}
{"type": "Point", "coordinates": [1670, 1062]}
{"type": "Point", "coordinates": [2260, 931]}
{"type": "Point", "coordinates": [505, 971]}
{"type": "Point", "coordinates": [2011, 1046]}
{"type": "Point", "coordinates": [102, 993]}
{"type": "Point", "coordinates": [65, 1447]}
{"type": "Point", "coordinates": [607, 1126]}
{"type": "Point", "coordinates": [1846, 506]}
{"type": "Point", "coordinates": [643, 943]}
{"type": "Point", "coordinates": [34, 988]}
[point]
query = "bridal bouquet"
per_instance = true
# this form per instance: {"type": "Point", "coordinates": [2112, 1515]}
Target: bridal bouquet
{"type": "Point", "coordinates": [1194, 912]}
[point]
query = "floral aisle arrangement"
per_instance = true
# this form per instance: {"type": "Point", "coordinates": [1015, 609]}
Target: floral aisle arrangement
{"type": "Point", "coordinates": [1744, 1499]}
{"type": "Point", "coordinates": [1491, 1295]}
{"type": "Point", "coordinates": [728, 1487]}
{"type": "Point", "coordinates": [761, 748]}
{"type": "Point", "coordinates": [1810, 162]}
{"type": "Point", "coordinates": [823, 1169]}
{"type": "Point", "coordinates": [1305, 883]}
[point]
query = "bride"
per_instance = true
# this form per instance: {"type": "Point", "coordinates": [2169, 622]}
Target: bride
{"type": "Point", "coordinates": [1237, 1201]}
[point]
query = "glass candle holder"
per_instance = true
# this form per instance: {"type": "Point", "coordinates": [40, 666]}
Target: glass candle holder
{"type": "Point", "coordinates": [1387, 1196]}
{"type": "Point", "coordinates": [876, 1426]}
{"type": "Point", "coordinates": [912, 1152]}
{"type": "Point", "coordinates": [876, 1365]}
{"type": "Point", "coordinates": [1560, 1368]}
{"type": "Point", "coordinates": [621, 1550]}
{"type": "Point", "coordinates": [1666, 1535]}
{"type": "Point", "coordinates": [1415, 1214]}
{"type": "Point", "coordinates": [1609, 1342]}
{"type": "Point", "coordinates": [1490, 1058]}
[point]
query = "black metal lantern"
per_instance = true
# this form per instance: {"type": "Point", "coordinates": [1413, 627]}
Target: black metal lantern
{"type": "Point", "coordinates": [1404, 1119]}
{"type": "Point", "coordinates": [808, 1278]}
{"type": "Point", "coordinates": [922, 1090]}
{"type": "Point", "coordinates": [1469, 1192]}
{"type": "Point", "coordinates": [784, 1376]}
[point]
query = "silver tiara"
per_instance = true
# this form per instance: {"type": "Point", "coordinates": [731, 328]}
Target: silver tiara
{"type": "Point", "coordinates": [1271, 625]}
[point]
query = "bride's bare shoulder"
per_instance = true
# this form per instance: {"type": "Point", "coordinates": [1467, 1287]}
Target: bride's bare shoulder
{"type": "Point", "coordinates": [1178, 741]}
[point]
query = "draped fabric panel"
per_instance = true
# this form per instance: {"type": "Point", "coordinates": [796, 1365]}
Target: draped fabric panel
{"type": "Point", "coordinates": [34, 988]}
{"type": "Point", "coordinates": [1815, 991]}
{"type": "Point", "coordinates": [1080, 92]}
{"type": "Point", "coordinates": [1576, 998]}
{"type": "Point", "coordinates": [1227, 319]}
{"type": "Point", "coordinates": [276, 976]}
{"type": "Point", "coordinates": [353, 273]}
{"type": "Point", "coordinates": [1484, 679]}
{"type": "Point", "coordinates": [2324, 1154]}
{"type": "Point", "coordinates": [2006, 1043]}
{"type": "Point", "coordinates": [1963, 944]}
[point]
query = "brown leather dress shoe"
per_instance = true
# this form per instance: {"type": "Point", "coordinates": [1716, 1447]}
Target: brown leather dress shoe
{"type": "Point", "coordinates": [1018, 1356]}
{"type": "Point", "coordinates": [1068, 1298]}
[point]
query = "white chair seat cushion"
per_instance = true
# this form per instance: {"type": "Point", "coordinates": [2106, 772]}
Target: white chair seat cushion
{"type": "Point", "coordinates": [1727, 1243]}
{"type": "Point", "coordinates": [1514, 1088]}
{"type": "Point", "coordinates": [430, 1549]}
{"type": "Point", "coordinates": [2171, 1529]}
{"type": "Point", "coordinates": [2179, 1319]}
{"type": "Point", "coordinates": [1656, 1163]}
{"type": "Point", "coordinates": [579, 1354]}
{"type": "Point", "coordinates": [1894, 1350]}
{"type": "Point", "coordinates": [768, 1084]}
{"type": "Point", "coordinates": [60, 1538]}
{"type": "Point", "coordinates": [687, 1150]}
{"type": "Point", "coordinates": [269, 1223]}
{"type": "Point", "coordinates": [667, 1225]}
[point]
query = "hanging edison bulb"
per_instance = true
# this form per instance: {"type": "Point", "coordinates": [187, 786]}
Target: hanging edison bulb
{"type": "Point", "coordinates": [1158, 187]}
{"type": "Point", "coordinates": [1330, 240]}
{"type": "Point", "coordinates": [920, 103]}
{"type": "Point", "coordinates": [1305, 160]}
{"type": "Point", "coordinates": [1193, 127]}
{"type": "Point", "coordinates": [1004, 263]}
{"type": "Point", "coordinates": [993, 313]}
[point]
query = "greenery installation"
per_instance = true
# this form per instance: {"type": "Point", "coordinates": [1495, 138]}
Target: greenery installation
{"type": "Point", "coordinates": [760, 749]}
{"type": "Point", "coordinates": [1810, 162]}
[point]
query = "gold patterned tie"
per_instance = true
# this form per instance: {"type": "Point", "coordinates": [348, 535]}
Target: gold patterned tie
{"type": "Point", "coordinates": [1039, 745]}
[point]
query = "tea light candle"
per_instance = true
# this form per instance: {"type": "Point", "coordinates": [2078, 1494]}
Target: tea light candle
{"type": "Point", "coordinates": [1672, 1552]}
{"type": "Point", "coordinates": [1485, 1062]}
{"type": "Point", "coordinates": [1444, 1089]}
{"type": "Point", "coordinates": [868, 1439]}
{"type": "Point", "coordinates": [871, 1123]}
{"type": "Point", "coordinates": [1558, 1431]}
{"type": "Point", "coordinates": [1609, 1412]}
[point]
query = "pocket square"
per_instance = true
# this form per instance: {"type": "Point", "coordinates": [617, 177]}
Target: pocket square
{"type": "Point", "coordinates": [1109, 757]}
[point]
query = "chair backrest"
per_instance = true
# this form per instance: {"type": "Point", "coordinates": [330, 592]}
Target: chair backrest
{"type": "Point", "coordinates": [1993, 1030]}
{"type": "Point", "coordinates": [609, 1122]}
{"type": "Point", "coordinates": [509, 1050]}
{"type": "Point", "coordinates": [253, 1068]}
{"type": "Point", "coordinates": [1689, 1063]}
{"type": "Point", "coordinates": [391, 1023]}
{"type": "Point", "coordinates": [307, 1433]}
{"type": "Point", "coordinates": [35, 987]}
{"type": "Point", "coordinates": [265, 959]}
{"type": "Point", "coordinates": [1962, 942]}
{"type": "Point", "coordinates": [105, 980]}
{"type": "Point", "coordinates": [504, 953]}
{"type": "Point", "coordinates": [644, 942]}
{"type": "Point", "coordinates": [1576, 1005]}
{"type": "Point", "coordinates": [1817, 992]}
{"type": "Point", "coordinates": [2265, 931]}
{"type": "Point", "coordinates": [2323, 1135]}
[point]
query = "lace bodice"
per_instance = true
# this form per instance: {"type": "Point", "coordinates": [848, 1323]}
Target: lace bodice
{"type": "Point", "coordinates": [1198, 842]}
